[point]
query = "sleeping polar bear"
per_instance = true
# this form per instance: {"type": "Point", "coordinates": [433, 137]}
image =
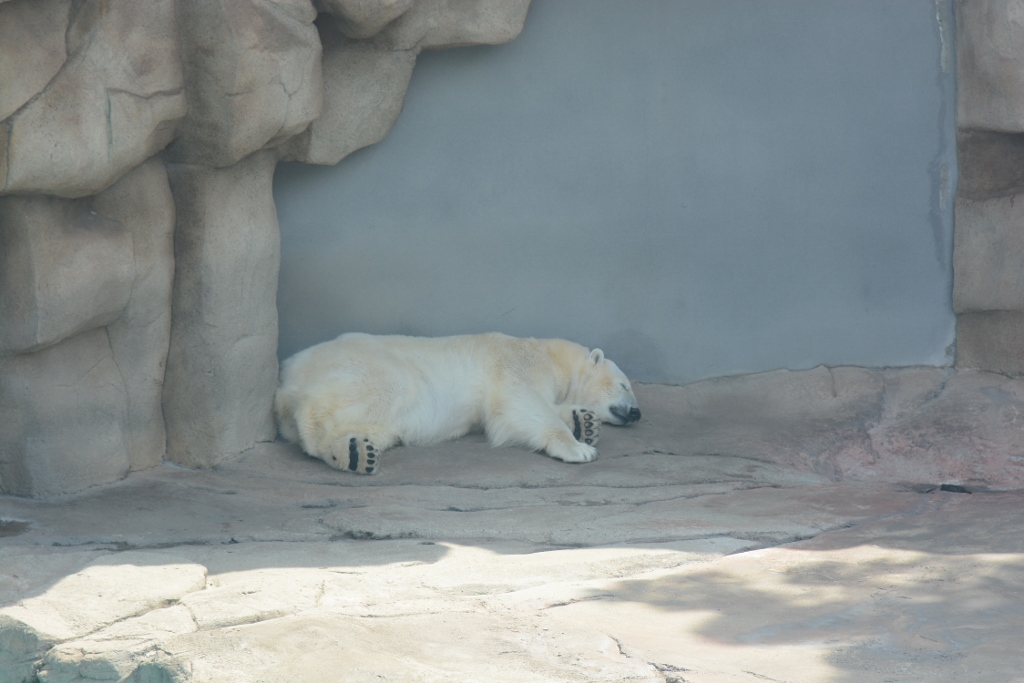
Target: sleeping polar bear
{"type": "Point", "coordinates": [348, 400]}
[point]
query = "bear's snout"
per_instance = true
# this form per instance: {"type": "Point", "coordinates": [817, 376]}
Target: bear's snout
{"type": "Point", "coordinates": [626, 413]}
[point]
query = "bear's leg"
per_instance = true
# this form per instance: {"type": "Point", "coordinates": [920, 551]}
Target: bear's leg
{"type": "Point", "coordinates": [585, 426]}
{"type": "Point", "coordinates": [354, 448]}
{"type": "Point", "coordinates": [530, 422]}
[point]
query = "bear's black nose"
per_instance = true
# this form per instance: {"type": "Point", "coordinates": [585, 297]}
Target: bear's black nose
{"type": "Point", "coordinates": [626, 414]}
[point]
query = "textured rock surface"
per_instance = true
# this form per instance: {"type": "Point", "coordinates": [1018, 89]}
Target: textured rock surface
{"type": "Point", "coordinates": [243, 57]}
{"type": "Point", "coordinates": [907, 425]}
{"type": "Point", "coordinates": [139, 338]}
{"type": "Point", "coordinates": [363, 18]}
{"type": "Point", "coordinates": [365, 80]}
{"type": "Point", "coordinates": [461, 562]}
{"type": "Point", "coordinates": [988, 253]}
{"type": "Point", "coordinates": [968, 431]}
{"type": "Point", "coordinates": [222, 366]}
{"type": "Point", "coordinates": [990, 65]}
{"type": "Point", "coordinates": [988, 294]}
{"type": "Point", "coordinates": [85, 296]}
{"type": "Point", "coordinates": [65, 269]}
{"type": "Point", "coordinates": [363, 89]}
{"type": "Point", "coordinates": [989, 250]}
{"type": "Point", "coordinates": [438, 24]}
{"type": "Point", "coordinates": [991, 164]}
{"type": "Point", "coordinates": [64, 411]}
{"type": "Point", "coordinates": [69, 268]}
{"type": "Point", "coordinates": [991, 340]}
{"type": "Point", "coordinates": [30, 33]}
{"type": "Point", "coordinates": [127, 646]}
{"type": "Point", "coordinates": [115, 101]}
{"type": "Point", "coordinates": [106, 591]}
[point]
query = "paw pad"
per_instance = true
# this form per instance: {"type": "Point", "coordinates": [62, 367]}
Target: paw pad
{"type": "Point", "coordinates": [585, 427]}
{"type": "Point", "coordinates": [362, 456]}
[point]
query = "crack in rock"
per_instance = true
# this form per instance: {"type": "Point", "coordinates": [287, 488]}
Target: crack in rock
{"type": "Point", "coordinates": [763, 677]}
{"type": "Point", "coordinates": [658, 669]}
{"type": "Point", "coordinates": [573, 601]}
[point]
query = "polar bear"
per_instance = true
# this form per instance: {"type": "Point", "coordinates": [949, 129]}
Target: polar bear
{"type": "Point", "coordinates": [348, 400]}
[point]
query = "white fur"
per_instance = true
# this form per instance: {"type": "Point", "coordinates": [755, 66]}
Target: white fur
{"type": "Point", "coordinates": [416, 391]}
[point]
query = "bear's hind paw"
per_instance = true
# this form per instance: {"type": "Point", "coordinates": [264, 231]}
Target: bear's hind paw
{"type": "Point", "coordinates": [585, 427]}
{"type": "Point", "coordinates": [357, 455]}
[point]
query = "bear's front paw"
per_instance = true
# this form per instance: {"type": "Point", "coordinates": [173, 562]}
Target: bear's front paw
{"type": "Point", "coordinates": [585, 427]}
{"type": "Point", "coordinates": [357, 455]}
{"type": "Point", "coordinates": [577, 452]}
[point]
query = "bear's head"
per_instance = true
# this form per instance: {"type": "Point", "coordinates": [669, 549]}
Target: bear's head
{"type": "Point", "coordinates": [605, 389]}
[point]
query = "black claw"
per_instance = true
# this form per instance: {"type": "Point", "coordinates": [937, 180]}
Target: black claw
{"type": "Point", "coordinates": [369, 470]}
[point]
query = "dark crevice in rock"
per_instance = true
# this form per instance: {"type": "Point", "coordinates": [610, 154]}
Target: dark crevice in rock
{"type": "Point", "coordinates": [573, 601]}
{"type": "Point", "coordinates": [101, 545]}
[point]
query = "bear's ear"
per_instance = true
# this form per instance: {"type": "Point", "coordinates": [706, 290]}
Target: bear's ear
{"type": "Point", "coordinates": [596, 356]}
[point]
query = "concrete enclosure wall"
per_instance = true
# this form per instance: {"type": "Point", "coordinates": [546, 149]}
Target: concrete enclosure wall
{"type": "Point", "coordinates": [700, 187]}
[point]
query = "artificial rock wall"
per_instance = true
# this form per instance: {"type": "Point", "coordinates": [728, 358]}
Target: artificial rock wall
{"type": "Point", "coordinates": [988, 255]}
{"type": "Point", "coordinates": [138, 235]}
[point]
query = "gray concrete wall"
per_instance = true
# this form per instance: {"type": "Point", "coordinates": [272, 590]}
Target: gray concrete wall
{"type": "Point", "coordinates": [701, 188]}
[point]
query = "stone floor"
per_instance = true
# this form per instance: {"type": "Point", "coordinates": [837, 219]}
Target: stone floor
{"type": "Point", "coordinates": [462, 563]}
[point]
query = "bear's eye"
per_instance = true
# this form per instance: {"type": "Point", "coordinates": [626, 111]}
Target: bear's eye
{"type": "Point", "coordinates": [624, 387]}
